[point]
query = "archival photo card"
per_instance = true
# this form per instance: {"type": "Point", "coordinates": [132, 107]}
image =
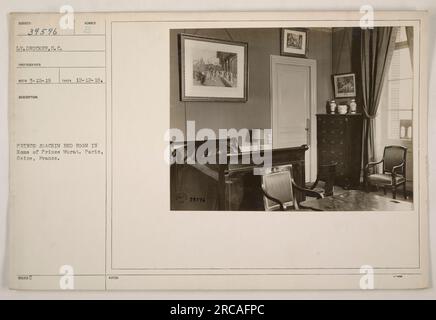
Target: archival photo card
{"type": "Point", "coordinates": [218, 151]}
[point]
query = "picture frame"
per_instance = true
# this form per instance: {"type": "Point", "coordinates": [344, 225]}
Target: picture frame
{"type": "Point", "coordinates": [212, 69]}
{"type": "Point", "coordinates": [293, 42]}
{"type": "Point", "coordinates": [344, 85]}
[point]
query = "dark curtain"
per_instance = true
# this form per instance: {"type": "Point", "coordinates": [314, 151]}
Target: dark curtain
{"type": "Point", "coordinates": [376, 51]}
{"type": "Point", "coordinates": [409, 34]}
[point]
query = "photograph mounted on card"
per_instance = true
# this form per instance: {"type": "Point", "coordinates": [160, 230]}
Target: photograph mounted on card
{"type": "Point", "coordinates": [217, 192]}
{"type": "Point", "coordinates": [344, 85]}
{"type": "Point", "coordinates": [212, 69]}
{"type": "Point", "coordinates": [293, 42]}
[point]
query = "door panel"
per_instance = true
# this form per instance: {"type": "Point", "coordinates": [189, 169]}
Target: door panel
{"type": "Point", "coordinates": [293, 106]}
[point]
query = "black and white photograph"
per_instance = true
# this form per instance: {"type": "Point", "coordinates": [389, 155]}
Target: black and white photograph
{"type": "Point", "coordinates": [344, 85]}
{"type": "Point", "coordinates": [217, 152]}
{"type": "Point", "coordinates": [354, 155]}
{"type": "Point", "coordinates": [293, 42]}
{"type": "Point", "coordinates": [215, 68]}
{"type": "Point", "coordinates": [212, 69]}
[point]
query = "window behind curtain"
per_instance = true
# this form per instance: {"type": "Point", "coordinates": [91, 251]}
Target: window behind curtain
{"type": "Point", "coordinates": [400, 90]}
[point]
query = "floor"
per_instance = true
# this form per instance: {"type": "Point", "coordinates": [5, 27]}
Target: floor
{"type": "Point", "coordinates": [339, 190]}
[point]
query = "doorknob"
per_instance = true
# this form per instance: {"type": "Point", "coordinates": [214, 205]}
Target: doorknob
{"type": "Point", "coordinates": [308, 131]}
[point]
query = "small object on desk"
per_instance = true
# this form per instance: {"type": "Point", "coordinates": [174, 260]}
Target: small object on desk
{"type": "Point", "coordinates": [356, 200]}
{"type": "Point", "coordinates": [254, 148]}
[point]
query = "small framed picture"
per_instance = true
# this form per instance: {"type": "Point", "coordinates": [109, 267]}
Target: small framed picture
{"type": "Point", "coordinates": [344, 85]}
{"type": "Point", "coordinates": [212, 69]}
{"type": "Point", "coordinates": [293, 42]}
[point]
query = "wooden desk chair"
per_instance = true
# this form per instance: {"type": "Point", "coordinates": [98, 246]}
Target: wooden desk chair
{"type": "Point", "coordinates": [278, 188]}
{"type": "Point", "coordinates": [394, 170]}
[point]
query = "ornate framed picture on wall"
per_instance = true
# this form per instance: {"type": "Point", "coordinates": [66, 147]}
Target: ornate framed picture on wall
{"type": "Point", "coordinates": [212, 69]}
{"type": "Point", "coordinates": [344, 85]}
{"type": "Point", "coordinates": [293, 42]}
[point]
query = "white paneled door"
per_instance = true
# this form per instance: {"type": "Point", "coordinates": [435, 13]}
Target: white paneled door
{"type": "Point", "coordinates": [293, 106]}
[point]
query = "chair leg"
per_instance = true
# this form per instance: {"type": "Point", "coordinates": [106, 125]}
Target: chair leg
{"type": "Point", "coordinates": [328, 188]}
{"type": "Point", "coordinates": [384, 190]}
{"type": "Point", "coordinates": [404, 190]}
{"type": "Point", "coordinates": [369, 187]}
{"type": "Point", "coordinates": [314, 184]}
{"type": "Point", "coordinates": [394, 192]}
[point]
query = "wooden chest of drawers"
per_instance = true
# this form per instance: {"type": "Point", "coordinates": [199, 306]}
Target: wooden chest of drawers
{"type": "Point", "coordinates": [339, 139]}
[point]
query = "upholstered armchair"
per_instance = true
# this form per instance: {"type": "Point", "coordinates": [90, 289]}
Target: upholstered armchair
{"type": "Point", "coordinates": [278, 189]}
{"type": "Point", "coordinates": [393, 172]}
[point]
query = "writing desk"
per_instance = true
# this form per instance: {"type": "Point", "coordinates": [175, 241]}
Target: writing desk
{"type": "Point", "coordinates": [229, 186]}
